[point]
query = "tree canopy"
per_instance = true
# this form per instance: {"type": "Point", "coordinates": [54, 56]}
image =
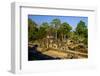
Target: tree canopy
{"type": "Point", "coordinates": [58, 30]}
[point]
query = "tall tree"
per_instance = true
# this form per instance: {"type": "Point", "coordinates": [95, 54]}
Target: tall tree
{"type": "Point", "coordinates": [64, 30]}
{"type": "Point", "coordinates": [82, 32]}
{"type": "Point", "coordinates": [32, 30]}
{"type": "Point", "coordinates": [81, 28]}
{"type": "Point", "coordinates": [56, 24]}
{"type": "Point", "coordinates": [43, 29]}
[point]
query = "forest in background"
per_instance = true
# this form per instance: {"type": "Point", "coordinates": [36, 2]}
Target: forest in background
{"type": "Point", "coordinates": [58, 34]}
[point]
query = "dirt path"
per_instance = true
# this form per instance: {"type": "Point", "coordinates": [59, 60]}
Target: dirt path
{"type": "Point", "coordinates": [64, 54]}
{"type": "Point", "coordinates": [56, 54]}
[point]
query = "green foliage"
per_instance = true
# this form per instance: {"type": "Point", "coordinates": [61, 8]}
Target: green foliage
{"type": "Point", "coordinates": [64, 30]}
{"type": "Point", "coordinates": [32, 30]}
{"type": "Point", "coordinates": [43, 30]}
{"type": "Point", "coordinates": [82, 32]}
{"type": "Point", "coordinates": [66, 26]}
{"type": "Point", "coordinates": [56, 23]}
{"type": "Point", "coordinates": [58, 30]}
{"type": "Point", "coordinates": [81, 29]}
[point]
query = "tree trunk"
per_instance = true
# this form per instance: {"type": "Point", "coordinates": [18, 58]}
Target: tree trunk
{"type": "Point", "coordinates": [62, 36]}
{"type": "Point", "coordinates": [56, 35]}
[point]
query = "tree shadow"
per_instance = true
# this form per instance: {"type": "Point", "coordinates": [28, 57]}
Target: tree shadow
{"type": "Point", "coordinates": [34, 54]}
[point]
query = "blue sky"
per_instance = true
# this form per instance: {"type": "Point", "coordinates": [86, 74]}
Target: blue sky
{"type": "Point", "coordinates": [72, 20]}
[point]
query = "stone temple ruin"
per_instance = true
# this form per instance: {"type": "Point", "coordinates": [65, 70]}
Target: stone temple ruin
{"type": "Point", "coordinates": [53, 47]}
